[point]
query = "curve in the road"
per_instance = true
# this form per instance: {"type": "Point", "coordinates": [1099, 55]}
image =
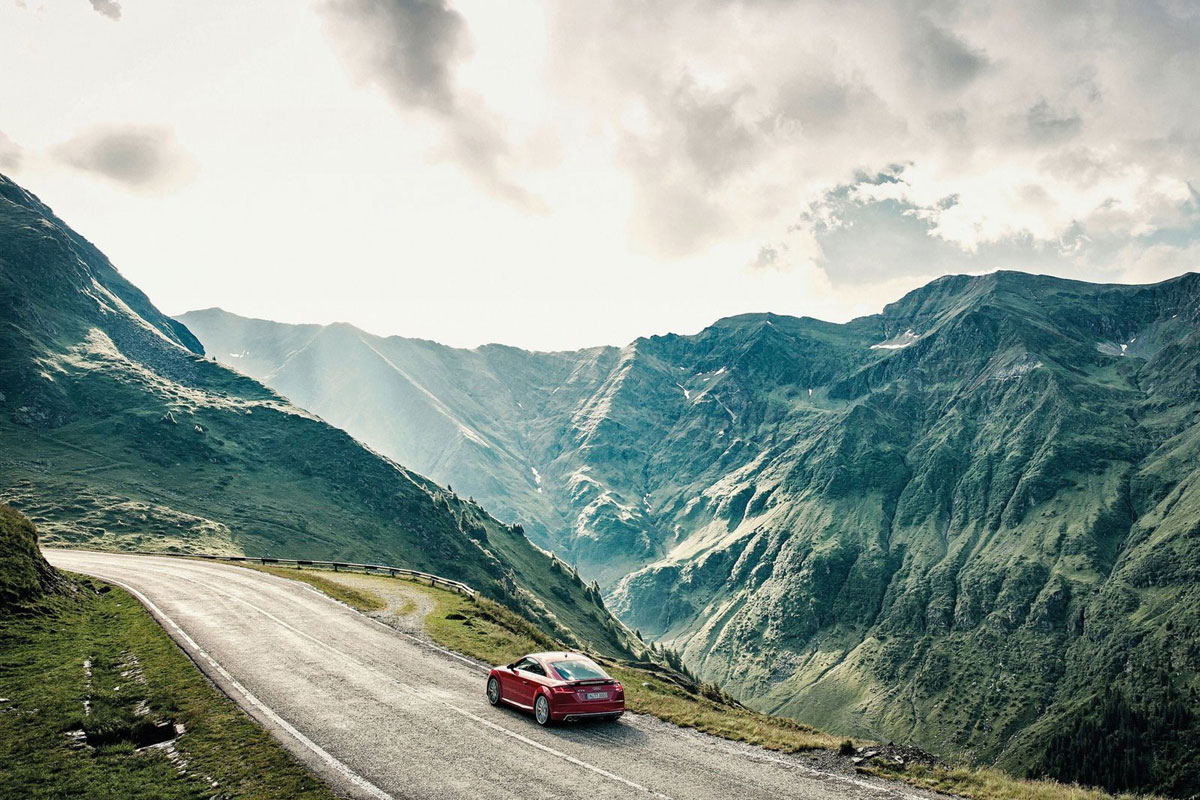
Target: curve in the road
{"type": "Point", "coordinates": [245, 696]}
{"type": "Point", "coordinates": [379, 713]}
{"type": "Point", "coordinates": [321, 753]}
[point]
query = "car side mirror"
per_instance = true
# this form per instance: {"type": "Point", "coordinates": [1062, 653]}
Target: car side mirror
{"type": "Point", "coordinates": [512, 667]}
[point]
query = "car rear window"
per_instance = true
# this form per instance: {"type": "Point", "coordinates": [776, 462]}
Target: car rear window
{"type": "Point", "coordinates": [577, 670]}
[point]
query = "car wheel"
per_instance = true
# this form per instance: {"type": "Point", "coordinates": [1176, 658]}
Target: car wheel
{"type": "Point", "coordinates": [493, 690]}
{"type": "Point", "coordinates": [541, 710]}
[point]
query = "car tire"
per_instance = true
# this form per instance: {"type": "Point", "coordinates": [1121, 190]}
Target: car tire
{"type": "Point", "coordinates": [493, 690]}
{"type": "Point", "coordinates": [541, 710]}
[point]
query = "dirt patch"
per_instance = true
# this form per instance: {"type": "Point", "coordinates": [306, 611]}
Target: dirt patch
{"type": "Point", "coordinates": [405, 607]}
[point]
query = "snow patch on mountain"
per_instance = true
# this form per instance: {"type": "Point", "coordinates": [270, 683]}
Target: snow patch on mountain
{"type": "Point", "coordinates": [897, 342]}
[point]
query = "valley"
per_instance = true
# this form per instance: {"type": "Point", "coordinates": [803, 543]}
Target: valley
{"type": "Point", "coordinates": [116, 432]}
{"type": "Point", "coordinates": [961, 522]}
{"type": "Point", "coordinates": [826, 373]}
{"type": "Point", "coordinates": [967, 522]}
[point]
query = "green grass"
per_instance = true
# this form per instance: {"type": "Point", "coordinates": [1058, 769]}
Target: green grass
{"type": "Point", "coordinates": [982, 783]}
{"type": "Point", "coordinates": [491, 633]}
{"type": "Point", "coordinates": [138, 679]}
{"type": "Point", "coordinates": [363, 601]}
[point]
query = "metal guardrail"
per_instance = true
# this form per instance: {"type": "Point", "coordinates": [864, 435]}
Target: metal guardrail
{"type": "Point", "coordinates": [336, 566]}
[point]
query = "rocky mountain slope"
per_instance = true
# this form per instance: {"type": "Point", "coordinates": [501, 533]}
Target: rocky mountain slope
{"type": "Point", "coordinates": [969, 521]}
{"type": "Point", "coordinates": [115, 431]}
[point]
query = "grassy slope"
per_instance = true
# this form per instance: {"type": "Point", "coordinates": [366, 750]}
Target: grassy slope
{"type": "Point", "coordinates": [483, 630]}
{"type": "Point", "coordinates": [81, 655]}
{"type": "Point", "coordinates": [969, 543]}
{"type": "Point", "coordinates": [413, 400]}
{"type": "Point", "coordinates": [965, 556]}
{"type": "Point", "coordinates": [114, 435]}
{"type": "Point", "coordinates": [493, 634]}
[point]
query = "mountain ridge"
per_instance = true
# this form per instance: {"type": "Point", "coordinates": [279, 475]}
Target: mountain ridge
{"type": "Point", "coordinates": [934, 523]}
{"type": "Point", "coordinates": [116, 433]}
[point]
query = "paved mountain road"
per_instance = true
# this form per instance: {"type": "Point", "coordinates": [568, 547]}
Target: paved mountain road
{"type": "Point", "coordinates": [379, 714]}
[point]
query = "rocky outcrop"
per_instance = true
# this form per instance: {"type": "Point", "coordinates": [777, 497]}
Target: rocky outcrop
{"type": "Point", "coordinates": [921, 525]}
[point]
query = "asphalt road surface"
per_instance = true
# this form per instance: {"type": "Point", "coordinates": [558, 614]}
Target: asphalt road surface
{"type": "Point", "coordinates": [379, 713]}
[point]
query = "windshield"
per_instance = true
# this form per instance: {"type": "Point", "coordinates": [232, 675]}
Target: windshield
{"type": "Point", "coordinates": [577, 670]}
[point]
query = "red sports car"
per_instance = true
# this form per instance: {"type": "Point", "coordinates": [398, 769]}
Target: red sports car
{"type": "Point", "coordinates": [557, 687]}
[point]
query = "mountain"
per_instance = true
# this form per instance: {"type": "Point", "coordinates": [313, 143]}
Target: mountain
{"type": "Point", "coordinates": [116, 432]}
{"type": "Point", "coordinates": [969, 521]}
{"type": "Point", "coordinates": [454, 415]}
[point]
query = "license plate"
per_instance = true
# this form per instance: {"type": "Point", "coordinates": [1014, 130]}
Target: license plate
{"type": "Point", "coordinates": [596, 696]}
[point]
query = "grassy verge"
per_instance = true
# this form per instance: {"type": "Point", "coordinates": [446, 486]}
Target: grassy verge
{"type": "Point", "coordinates": [981, 783]}
{"type": "Point", "coordinates": [363, 601]}
{"type": "Point", "coordinates": [491, 633]}
{"type": "Point", "coordinates": [89, 679]}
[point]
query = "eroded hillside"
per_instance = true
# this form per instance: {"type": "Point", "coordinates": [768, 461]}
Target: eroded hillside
{"type": "Point", "coordinates": [967, 521]}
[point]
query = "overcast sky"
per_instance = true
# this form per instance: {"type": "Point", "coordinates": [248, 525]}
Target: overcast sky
{"type": "Point", "coordinates": [560, 174]}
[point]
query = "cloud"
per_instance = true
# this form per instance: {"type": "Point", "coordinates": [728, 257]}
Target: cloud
{"type": "Point", "coordinates": [109, 8]}
{"type": "Point", "coordinates": [940, 58]}
{"type": "Point", "coordinates": [702, 139]}
{"type": "Point", "coordinates": [769, 256]}
{"type": "Point", "coordinates": [143, 158]}
{"type": "Point", "coordinates": [733, 117]}
{"type": "Point", "coordinates": [1052, 125]}
{"type": "Point", "coordinates": [11, 154]}
{"type": "Point", "coordinates": [412, 49]}
{"type": "Point", "coordinates": [877, 230]}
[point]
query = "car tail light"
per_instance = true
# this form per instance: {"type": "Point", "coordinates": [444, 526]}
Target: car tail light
{"type": "Point", "coordinates": [562, 690]}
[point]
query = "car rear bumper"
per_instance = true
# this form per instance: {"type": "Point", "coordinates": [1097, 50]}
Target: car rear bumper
{"type": "Point", "coordinates": [572, 716]}
{"type": "Point", "coordinates": [586, 710]}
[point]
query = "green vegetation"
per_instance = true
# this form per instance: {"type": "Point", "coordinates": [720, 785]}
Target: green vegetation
{"type": "Point", "coordinates": [98, 702]}
{"type": "Point", "coordinates": [495, 635]}
{"type": "Point", "coordinates": [961, 537]}
{"type": "Point", "coordinates": [983, 783]}
{"type": "Point", "coordinates": [24, 574]}
{"type": "Point", "coordinates": [363, 601]}
{"type": "Point", "coordinates": [958, 523]}
{"type": "Point", "coordinates": [116, 433]}
{"type": "Point", "coordinates": [1126, 742]}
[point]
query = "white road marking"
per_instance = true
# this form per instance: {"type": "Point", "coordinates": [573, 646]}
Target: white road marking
{"type": "Point", "coordinates": [376, 791]}
{"type": "Point", "coordinates": [766, 756]}
{"type": "Point", "coordinates": [412, 689]}
{"type": "Point", "coordinates": [424, 643]}
{"type": "Point", "coordinates": [320, 752]}
{"type": "Point", "coordinates": [559, 754]}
